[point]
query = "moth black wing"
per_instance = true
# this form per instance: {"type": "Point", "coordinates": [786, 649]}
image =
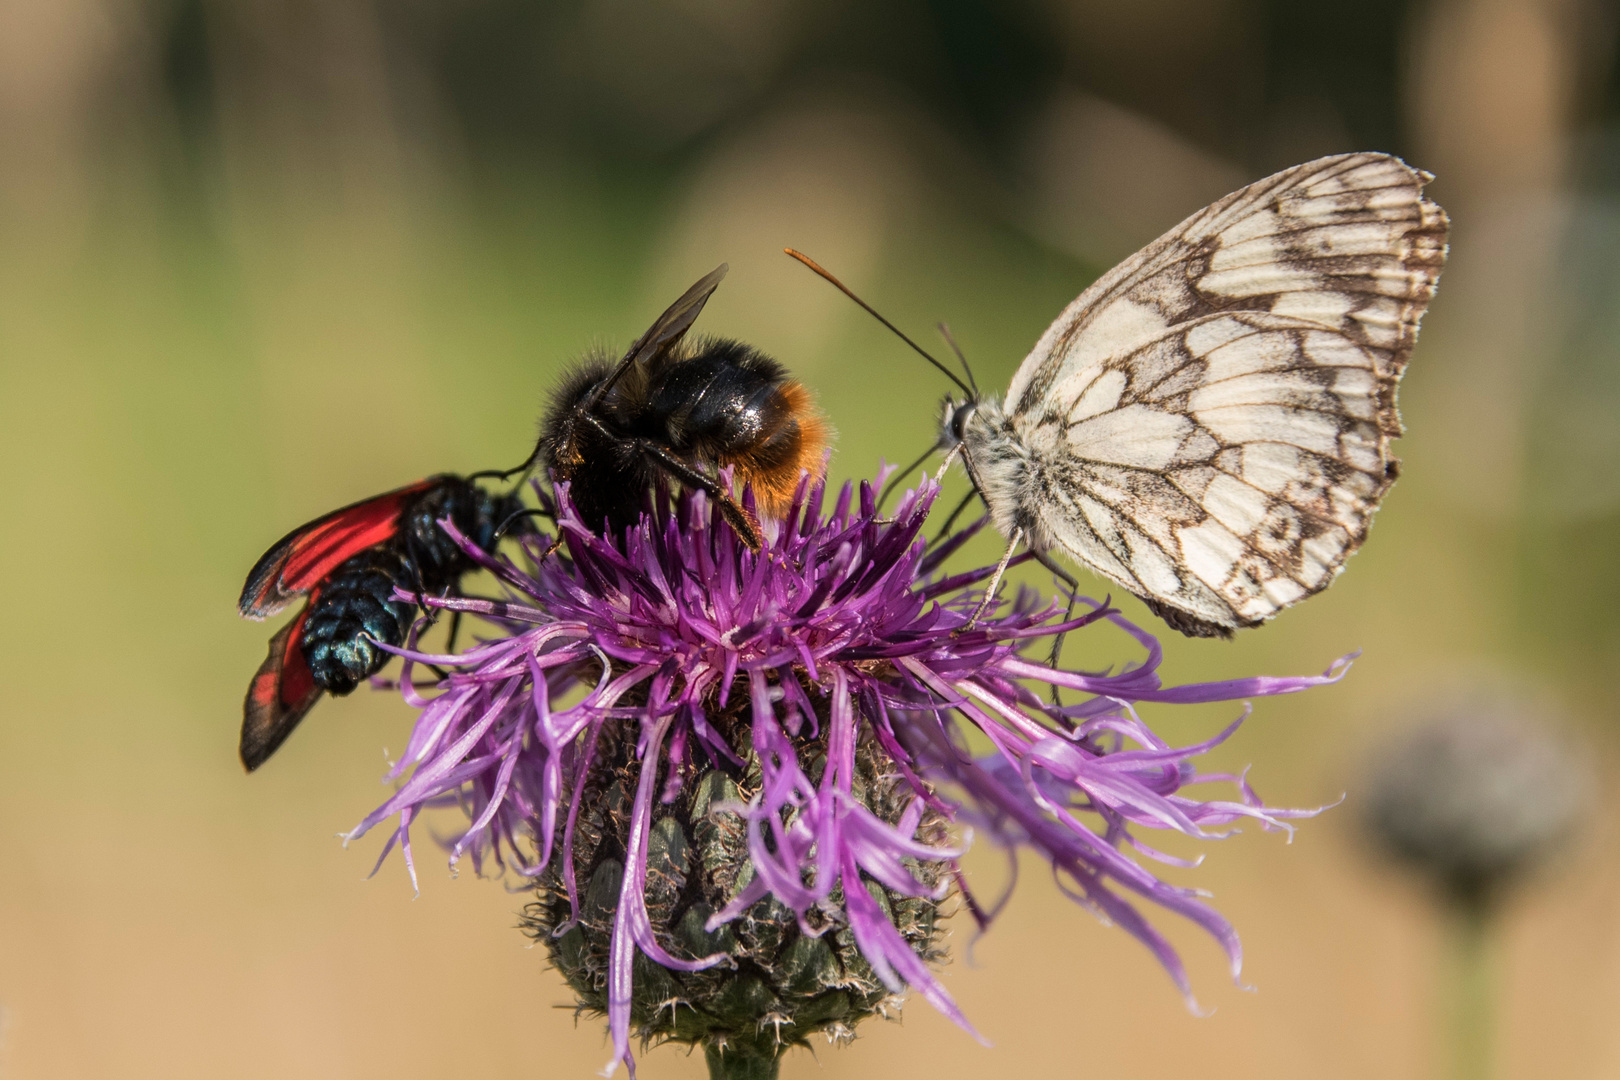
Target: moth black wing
{"type": "Point", "coordinates": [298, 562]}
{"type": "Point", "coordinates": [281, 693]}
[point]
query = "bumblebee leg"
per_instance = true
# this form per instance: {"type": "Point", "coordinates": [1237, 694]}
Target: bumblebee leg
{"type": "Point", "coordinates": [738, 518]}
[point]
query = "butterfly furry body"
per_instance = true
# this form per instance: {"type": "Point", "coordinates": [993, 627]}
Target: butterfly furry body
{"type": "Point", "coordinates": [1209, 424]}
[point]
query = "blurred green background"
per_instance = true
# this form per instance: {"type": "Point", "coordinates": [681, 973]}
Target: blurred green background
{"type": "Point", "coordinates": [259, 258]}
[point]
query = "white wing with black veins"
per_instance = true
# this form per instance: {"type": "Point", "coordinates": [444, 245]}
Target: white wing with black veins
{"type": "Point", "coordinates": [1209, 424]}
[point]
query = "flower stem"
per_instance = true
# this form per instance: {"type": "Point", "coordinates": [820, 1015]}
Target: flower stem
{"type": "Point", "coordinates": [738, 1060]}
{"type": "Point", "coordinates": [1472, 1014]}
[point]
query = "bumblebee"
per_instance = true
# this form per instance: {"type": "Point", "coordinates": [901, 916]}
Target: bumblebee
{"type": "Point", "coordinates": [672, 409]}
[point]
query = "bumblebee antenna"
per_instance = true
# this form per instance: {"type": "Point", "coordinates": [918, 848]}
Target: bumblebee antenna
{"type": "Point", "coordinates": [502, 474]}
{"type": "Point", "coordinates": [841, 287]}
{"type": "Point", "coordinates": [945, 332]}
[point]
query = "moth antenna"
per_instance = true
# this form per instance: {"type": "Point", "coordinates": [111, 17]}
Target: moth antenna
{"type": "Point", "coordinates": [945, 332]}
{"type": "Point", "coordinates": [841, 287]}
{"type": "Point", "coordinates": [518, 515]}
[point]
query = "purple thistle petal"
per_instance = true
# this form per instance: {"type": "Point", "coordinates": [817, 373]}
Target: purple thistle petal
{"type": "Point", "coordinates": [841, 635]}
{"type": "Point", "coordinates": [632, 928]}
{"type": "Point", "coordinates": [890, 955]}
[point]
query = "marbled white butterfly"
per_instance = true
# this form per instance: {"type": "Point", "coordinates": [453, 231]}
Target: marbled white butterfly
{"type": "Point", "coordinates": [1208, 425]}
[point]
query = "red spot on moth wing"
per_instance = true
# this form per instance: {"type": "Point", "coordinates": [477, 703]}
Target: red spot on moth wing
{"type": "Point", "coordinates": [302, 559]}
{"type": "Point", "coordinates": [281, 693]}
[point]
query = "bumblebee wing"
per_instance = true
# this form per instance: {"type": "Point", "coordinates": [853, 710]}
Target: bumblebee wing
{"type": "Point", "coordinates": [663, 334]}
{"type": "Point", "coordinates": [677, 319]}
{"type": "Point", "coordinates": [303, 558]}
{"type": "Point", "coordinates": [280, 694]}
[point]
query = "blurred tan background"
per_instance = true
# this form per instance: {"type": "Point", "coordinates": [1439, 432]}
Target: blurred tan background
{"type": "Point", "coordinates": [259, 258]}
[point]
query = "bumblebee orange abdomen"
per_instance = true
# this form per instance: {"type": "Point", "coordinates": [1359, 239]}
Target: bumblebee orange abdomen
{"type": "Point", "coordinates": [729, 404]}
{"type": "Point", "coordinates": [794, 441]}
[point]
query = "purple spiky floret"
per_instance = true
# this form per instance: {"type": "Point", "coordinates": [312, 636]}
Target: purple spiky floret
{"type": "Point", "coordinates": [660, 632]}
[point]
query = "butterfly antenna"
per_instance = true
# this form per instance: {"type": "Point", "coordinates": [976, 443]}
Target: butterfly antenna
{"type": "Point", "coordinates": [841, 287]}
{"type": "Point", "coordinates": [945, 332]}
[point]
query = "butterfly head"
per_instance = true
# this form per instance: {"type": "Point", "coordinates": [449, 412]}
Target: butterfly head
{"type": "Point", "coordinates": [953, 420]}
{"type": "Point", "coordinates": [971, 423]}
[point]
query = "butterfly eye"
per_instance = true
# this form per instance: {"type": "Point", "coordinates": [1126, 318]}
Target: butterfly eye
{"type": "Point", "coordinates": [950, 424]}
{"type": "Point", "coordinates": [959, 418]}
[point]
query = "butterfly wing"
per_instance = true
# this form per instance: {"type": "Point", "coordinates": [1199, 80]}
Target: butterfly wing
{"type": "Point", "coordinates": [281, 692]}
{"type": "Point", "coordinates": [1212, 418]}
{"type": "Point", "coordinates": [303, 558]}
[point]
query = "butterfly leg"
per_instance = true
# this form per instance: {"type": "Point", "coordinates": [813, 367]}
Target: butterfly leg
{"type": "Point", "coordinates": [899, 477]}
{"type": "Point", "coordinates": [995, 579]}
{"type": "Point", "coordinates": [946, 528]}
{"type": "Point", "coordinates": [1073, 586]}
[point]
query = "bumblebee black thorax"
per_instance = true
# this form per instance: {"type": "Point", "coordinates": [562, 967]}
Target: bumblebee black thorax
{"type": "Point", "coordinates": [720, 403]}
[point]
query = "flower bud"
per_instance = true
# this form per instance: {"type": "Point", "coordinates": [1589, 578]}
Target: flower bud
{"type": "Point", "coordinates": [785, 981]}
{"type": "Point", "coordinates": [1473, 798]}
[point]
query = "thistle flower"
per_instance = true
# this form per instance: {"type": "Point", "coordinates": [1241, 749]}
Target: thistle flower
{"type": "Point", "coordinates": [737, 777]}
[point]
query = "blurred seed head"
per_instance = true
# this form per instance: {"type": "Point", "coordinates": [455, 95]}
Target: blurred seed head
{"type": "Point", "coordinates": [1475, 797]}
